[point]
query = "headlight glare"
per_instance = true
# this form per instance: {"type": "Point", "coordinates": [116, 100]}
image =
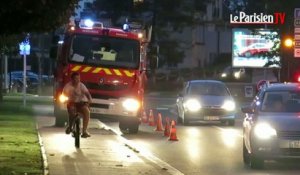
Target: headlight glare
{"type": "Point", "coordinates": [131, 104]}
{"type": "Point", "coordinates": [62, 98]}
{"type": "Point", "coordinates": [229, 105]}
{"type": "Point", "coordinates": [264, 131]}
{"type": "Point", "coordinates": [192, 105]}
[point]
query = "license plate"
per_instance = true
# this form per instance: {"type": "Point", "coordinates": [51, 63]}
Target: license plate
{"type": "Point", "coordinates": [96, 110]}
{"type": "Point", "coordinates": [294, 144]}
{"type": "Point", "coordinates": [211, 118]}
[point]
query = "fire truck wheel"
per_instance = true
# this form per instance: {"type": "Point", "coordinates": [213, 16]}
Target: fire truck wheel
{"type": "Point", "coordinates": [129, 125]}
{"type": "Point", "coordinates": [134, 128]}
{"type": "Point", "coordinates": [60, 117]}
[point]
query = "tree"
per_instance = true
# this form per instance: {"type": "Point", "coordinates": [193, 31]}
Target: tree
{"type": "Point", "coordinates": [21, 17]}
{"type": "Point", "coordinates": [34, 15]}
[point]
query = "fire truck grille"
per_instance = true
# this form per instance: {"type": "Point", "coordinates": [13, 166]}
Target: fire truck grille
{"type": "Point", "coordinates": [106, 87]}
{"type": "Point", "coordinates": [104, 106]}
{"type": "Point", "coordinates": [106, 97]}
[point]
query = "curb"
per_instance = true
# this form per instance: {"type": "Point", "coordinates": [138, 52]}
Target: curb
{"type": "Point", "coordinates": [43, 152]}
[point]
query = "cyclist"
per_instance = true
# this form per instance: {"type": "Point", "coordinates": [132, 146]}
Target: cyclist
{"type": "Point", "coordinates": [79, 99]}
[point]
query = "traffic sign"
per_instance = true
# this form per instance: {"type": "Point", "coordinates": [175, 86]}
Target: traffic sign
{"type": "Point", "coordinates": [297, 22]}
{"type": "Point", "coordinates": [297, 37]}
{"type": "Point", "coordinates": [297, 52]}
{"type": "Point", "coordinates": [24, 48]}
{"type": "Point", "coordinates": [297, 13]}
{"type": "Point", "coordinates": [260, 84]}
{"type": "Point", "coordinates": [297, 44]}
{"type": "Point", "coordinates": [297, 30]}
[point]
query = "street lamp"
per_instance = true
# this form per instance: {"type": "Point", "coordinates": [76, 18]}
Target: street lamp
{"type": "Point", "coordinates": [288, 44]}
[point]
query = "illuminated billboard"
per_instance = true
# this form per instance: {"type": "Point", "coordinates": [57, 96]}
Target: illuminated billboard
{"type": "Point", "coordinates": [257, 48]}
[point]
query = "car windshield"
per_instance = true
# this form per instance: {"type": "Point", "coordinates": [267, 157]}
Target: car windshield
{"type": "Point", "coordinates": [104, 51]}
{"type": "Point", "coordinates": [208, 88]}
{"type": "Point", "coordinates": [281, 101]}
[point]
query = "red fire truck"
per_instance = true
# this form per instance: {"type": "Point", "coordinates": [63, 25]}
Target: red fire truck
{"type": "Point", "coordinates": [112, 65]}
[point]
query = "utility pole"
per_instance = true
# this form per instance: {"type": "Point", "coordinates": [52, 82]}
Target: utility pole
{"type": "Point", "coordinates": [24, 48]}
{"type": "Point", "coordinates": [6, 86]}
{"type": "Point", "coordinates": [39, 55]}
{"type": "Point", "coordinates": [1, 94]}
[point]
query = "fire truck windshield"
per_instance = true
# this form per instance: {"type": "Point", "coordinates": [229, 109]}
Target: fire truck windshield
{"type": "Point", "coordinates": [104, 51]}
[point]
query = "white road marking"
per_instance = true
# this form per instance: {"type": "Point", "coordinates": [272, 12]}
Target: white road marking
{"type": "Point", "coordinates": [145, 153]}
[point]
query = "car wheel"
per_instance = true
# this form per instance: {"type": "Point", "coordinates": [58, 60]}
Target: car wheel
{"type": "Point", "coordinates": [256, 162]}
{"type": "Point", "coordinates": [231, 122]}
{"type": "Point", "coordinates": [246, 155]}
{"type": "Point", "coordinates": [179, 119]}
{"type": "Point", "coordinates": [185, 119]}
{"type": "Point", "coordinates": [247, 54]}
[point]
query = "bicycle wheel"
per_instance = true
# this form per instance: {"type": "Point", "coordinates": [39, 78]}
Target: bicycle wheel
{"type": "Point", "coordinates": [77, 132]}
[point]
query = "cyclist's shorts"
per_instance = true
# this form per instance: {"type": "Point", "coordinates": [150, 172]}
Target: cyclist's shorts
{"type": "Point", "coordinates": [73, 107]}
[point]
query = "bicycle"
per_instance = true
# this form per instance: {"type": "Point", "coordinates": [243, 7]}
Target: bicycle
{"type": "Point", "coordinates": [77, 122]}
{"type": "Point", "coordinates": [76, 131]}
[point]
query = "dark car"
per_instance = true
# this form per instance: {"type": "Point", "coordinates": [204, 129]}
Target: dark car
{"type": "Point", "coordinates": [205, 100]}
{"type": "Point", "coordinates": [16, 81]}
{"type": "Point", "coordinates": [272, 125]}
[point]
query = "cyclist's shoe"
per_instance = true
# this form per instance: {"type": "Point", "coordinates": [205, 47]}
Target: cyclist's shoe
{"type": "Point", "coordinates": [68, 130]}
{"type": "Point", "coordinates": [85, 135]}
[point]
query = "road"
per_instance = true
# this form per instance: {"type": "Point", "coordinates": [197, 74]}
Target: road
{"type": "Point", "coordinates": [209, 149]}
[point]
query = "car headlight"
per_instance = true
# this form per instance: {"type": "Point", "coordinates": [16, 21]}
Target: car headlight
{"type": "Point", "coordinates": [192, 105]}
{"type": "Point", "coordinates": [131, 104]}
{"type": "Point", "coordinates": [62, 98]}
{"type": "Point", "coordinates": [264, 131]}
{"type": "Point", "coordinates": [229, 105]}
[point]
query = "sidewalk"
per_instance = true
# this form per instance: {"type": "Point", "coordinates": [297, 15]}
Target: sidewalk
{"type": "Point", "coordinates": [104, 153]}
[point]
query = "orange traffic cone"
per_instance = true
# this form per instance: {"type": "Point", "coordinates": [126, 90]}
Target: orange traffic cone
{"type": "Point", "coordinates": [151, 119]}
{"type": "Point", "coordinates": [173, 136]}
{"type": "Point", "coordinates": [159, 125]}
{"type": "Point", "coordinates": [144, 117]}
{"type": "Point", "coordinates": [167, 127]}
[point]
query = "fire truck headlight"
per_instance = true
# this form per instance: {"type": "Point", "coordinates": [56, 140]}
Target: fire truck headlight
{"type": "Point", "coordinates": [62, 98]}
{"type": "Point", "coordinates": [131, 104]}
{"type": "Point", "coordinates": [140, 35]}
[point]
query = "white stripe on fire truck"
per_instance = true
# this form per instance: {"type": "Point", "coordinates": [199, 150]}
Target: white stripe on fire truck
{"type": "Point", "coordinates": [117, 72]}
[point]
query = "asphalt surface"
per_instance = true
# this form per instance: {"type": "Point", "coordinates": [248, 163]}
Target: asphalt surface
{"type": "Point", "coordinates": [105, 152]}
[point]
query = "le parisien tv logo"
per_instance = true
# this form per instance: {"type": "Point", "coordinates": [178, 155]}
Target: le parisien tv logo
{"type": "Point", "coordinates": [277, 18]}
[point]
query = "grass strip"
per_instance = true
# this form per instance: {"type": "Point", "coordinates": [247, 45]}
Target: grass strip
{"type": "Point", "coordinates": [19, 146]}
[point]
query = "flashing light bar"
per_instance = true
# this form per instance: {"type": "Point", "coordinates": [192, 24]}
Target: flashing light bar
{"type": "Point", "coordinates": [89, 24]}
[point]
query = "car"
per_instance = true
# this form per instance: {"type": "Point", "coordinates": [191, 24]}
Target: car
{"type": "Point", "coordinates": [271, 125]}
{"type": "Point", "coordinates": [254, 49]}
{"type": "Point", "coordinates": [230, 73]}
{"type": "Point", "coordinates": [205, 100]}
